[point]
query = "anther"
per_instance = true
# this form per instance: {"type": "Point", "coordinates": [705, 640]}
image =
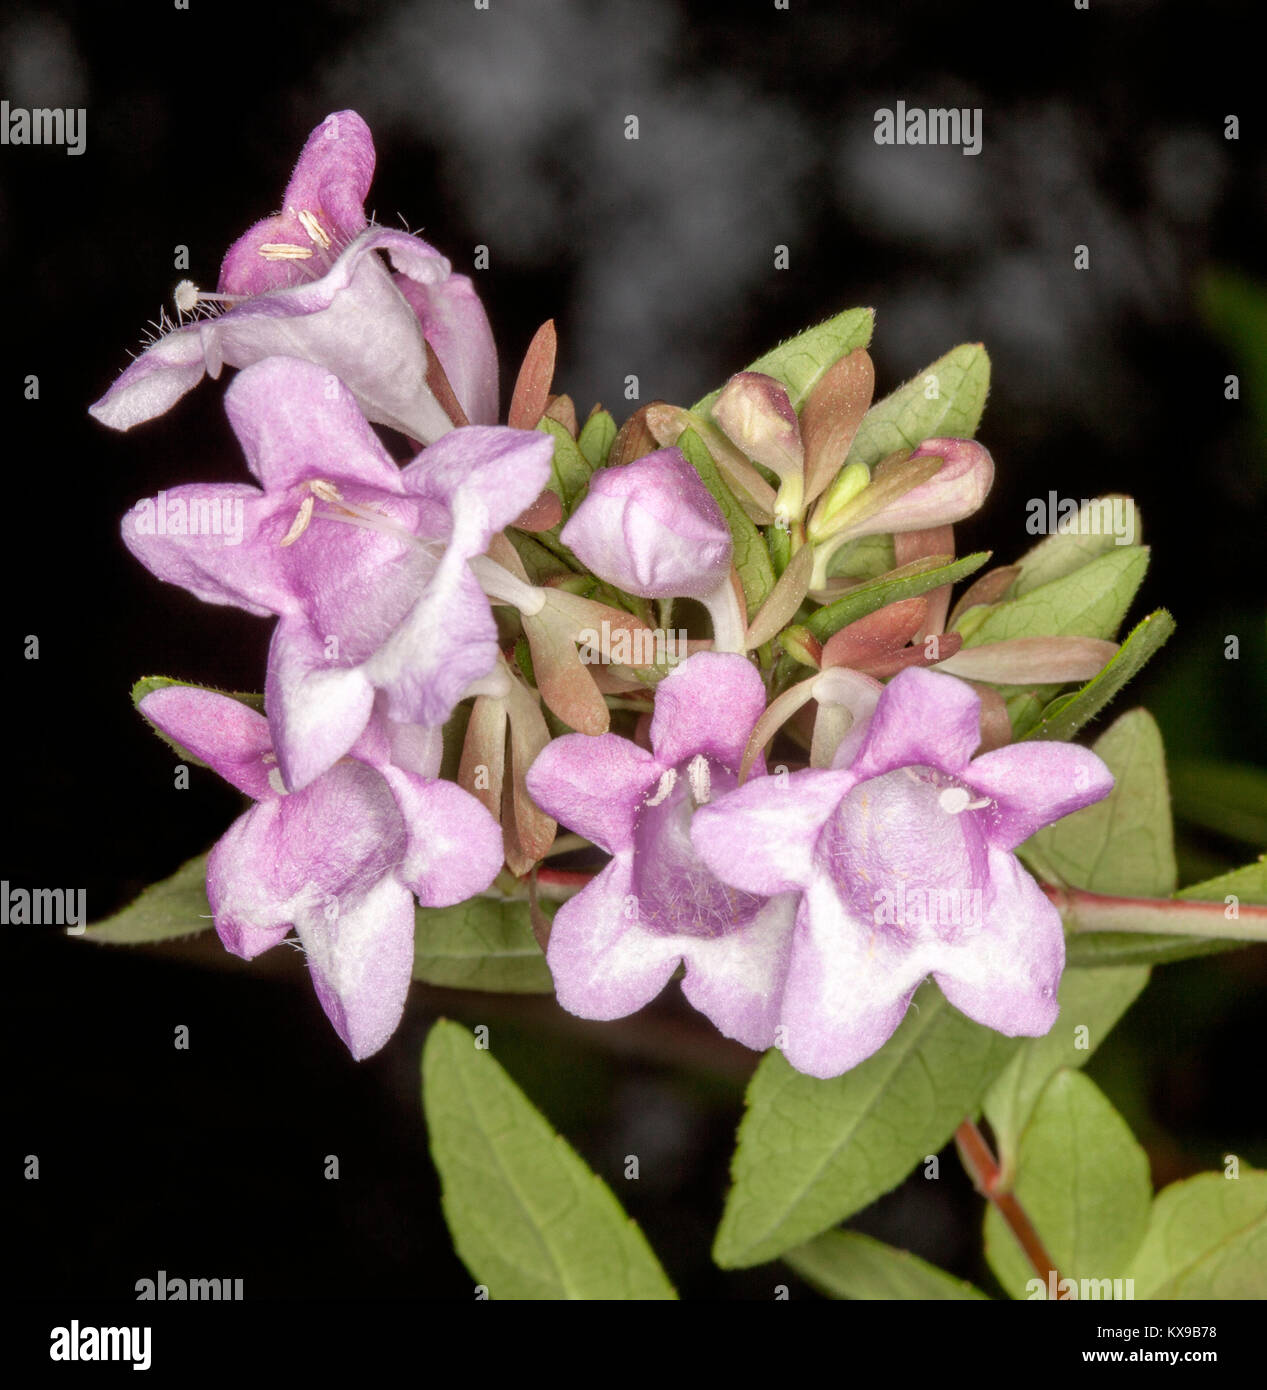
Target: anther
{"type": "Point", "coordinates": [316, 232]}
{"type": "Point", "coordinates": [300, 523]}
{"type": "Point", "coordinates": [284, 251]}
{"type": "Point", "coordinates": [668, 780]}
{"type": "Point", "coordinates": [700, 779]}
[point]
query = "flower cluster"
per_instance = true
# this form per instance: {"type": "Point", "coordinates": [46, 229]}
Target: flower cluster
{"type": "Point", "coordinates": [808, 793]}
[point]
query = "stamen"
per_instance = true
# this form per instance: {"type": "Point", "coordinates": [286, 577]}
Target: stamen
{"type": "Point", "coordinates": [275, 781]}
{"type": "Point", "coordinates": [326, 491]}
{"type": "Point", "coordinates": [316, 232]}
{"type": "Point", "coordinates": [700, 779]}
{"type": "Point", "coordinates": [668, 780]}
{"type": "Point", "coordinates": [284, 251]}
{"type": "Point", "coordinates": [300, 523]}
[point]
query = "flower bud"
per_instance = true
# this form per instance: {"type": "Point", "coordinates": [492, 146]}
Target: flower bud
{"type": "Point", "coordinates": [652, 528]}
{"type": "Point", "coordinates": [756, 414]}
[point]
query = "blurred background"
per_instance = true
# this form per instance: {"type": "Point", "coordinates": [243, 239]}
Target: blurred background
{"type": "Point", "coordinates": [506, 128]}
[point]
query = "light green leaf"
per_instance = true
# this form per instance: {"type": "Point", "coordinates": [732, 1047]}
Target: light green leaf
{"type": "Point", "coordinates": [1249, 884]}
{"type": "Point", "coordinates": [597, 436]}
{"type": "Point", "coordinates": [1091, 1002]}
{"type": "Point", "coordinates": [1124, 844]}
{"type": "Point", "coordinates": [909, 582]}
{"type": "Point", "coordinates": [1063, 552]}
{"type": "Point", "coordinates": [751, 558]}
{"type": "Point", "coordinates": [528, 1218]}
{"type": "Point", "coordinates": [569, 471]}
{"type": "Point", "coordinates": [811, 1153]}
{"type": "Point", "coordinates": [484, 943]}
{"type": "Point", "coordinates": [800, 361]}
{"type": "Point", "coordinates": [147, 685]}
{"type": "Point", "coordinates": [1083, 1181]}
{"type": "Point", "coordinates": [1090, 602]}
{"type": "Point", "coordinates": [846, 1264]}
{"type": "Point", "coordinates": [176, 906]}
{"type": "Point", "coordinates": [1228, 798]}
{"type": "Point", "coordinates": [1067, 714]}
{"type": "Point", "coordinates": [906, 418]}
{"type": "Point", "coordinates": [1206, 1238]}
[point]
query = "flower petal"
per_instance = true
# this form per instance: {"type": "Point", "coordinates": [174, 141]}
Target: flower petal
{"type": "Point", "coordinates": [1034, 783]}
{"type": "Point", "coordinates": [454, 323]}
{"type": "Point", "coordinates": [328, 187]}
{"type": "Point", "coordinates": [295, 421]}
{"type": "Point", "coordinates": [1005, 974]}
{"type": "Point", "coordinates": [485, 475]}
{"type": "Point", "coordinates": [317, 709]}
{"type": "Point", "coordinates": [922, 719]}
{"type": "Point", "coordinates": [737, 979]}
{"type": "Point", "coordinates": [155, 381]}
{"type": "Point", "coordinates": [229, 558]}
{"type": "Point", "coordinates": [455, 846]}
{"type": "Point", "coordinates": [444, 643]}
{"type": "Point", "coordinates": [848, 987]}
{"type": "Point", "coordinates": [361, 961]}
{"type": "Point", "coordinates": [594, 785]}
{"type": "Point", "coordinates": [605, 965]}
{"type": "Point", "coordinates": [227, 735]}
{"type": "Point", "coordinates": [762, 838]}
{"type": "Point", "coordinates": [709, 704]}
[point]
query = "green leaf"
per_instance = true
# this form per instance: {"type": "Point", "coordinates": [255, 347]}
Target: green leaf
{"type": "Point", "coordinates": [1206, 1238]}
{"type": "Point", "coordinates": [1090, 602]}
{"type": "Point", "coordinates": [569, 471]}
{"type": "Point", "coordinates": [598, 434]}
{"type": "Point", "coordinates": [751, 557]}
{"type": "Point", "coordinates": [1091, 1002]}
{"type": "Point", "coordinates": [800, 361]}
{"type": "Point", "coordinates": [147, 685]}
{"type": "Point", "coordinates": [811, 1153]}
{"type": "Point", "coordinates": [528, 1218]}
{"type": "Point", "coordinates": [906, 418]}
{"type": "Point", "coordinates": [846, 1264]}
{"type": "Point", "coordinates": [1066, 715]}
{"type": "Point", "coordinates": [1064, 552]}
{"type": "Point", "coordinates": [1228, 798]}
{"type": "Point", "coordinates": [176, 906]}
{"type": "Point", "coordinates": [484, 943]}
{"type": "Point", "coordinates": [908, 582]}
{"type": "Point", "coordinates": [1083, 1181]}
{"type": "Point", "coordinates": [1249, 884]}
{"type": "Point", "coordinates": [1124, 844]}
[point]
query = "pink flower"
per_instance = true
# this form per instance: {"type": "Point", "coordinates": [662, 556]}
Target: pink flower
{"type": "Point", "coordinates": [901, 859]}
{"type": "Point", "coordinates": [309, 282]}
{"type": "Point", "coordinates": [365, 563]}
{"type": "Point", "coordinates": [616, 944]}
{"type": "Point", "coordinates": [340, 861]}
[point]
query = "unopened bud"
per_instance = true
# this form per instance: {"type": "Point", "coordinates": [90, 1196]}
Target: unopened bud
{"type": "Point", "coordinates": [756, 415]}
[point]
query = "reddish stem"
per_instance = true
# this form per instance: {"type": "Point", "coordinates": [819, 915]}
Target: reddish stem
{"type": "Point", "coordinates": [984, 1170]}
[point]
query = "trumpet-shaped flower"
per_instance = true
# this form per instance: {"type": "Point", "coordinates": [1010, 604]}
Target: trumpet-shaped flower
{"type": "Point", "coordinates": [901, 857]}
{"type": "Point", "coordinates": [309, 282]}
{"type": "Point", "coordinates": [339, 862]}
{"type": "Point", "coordinates": [616, 944]}
{"type": "Point", "coordinates": [365, 563]}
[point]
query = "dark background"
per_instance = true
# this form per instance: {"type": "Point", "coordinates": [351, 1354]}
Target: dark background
{"type": "Point", "coordinates": [506, 128]}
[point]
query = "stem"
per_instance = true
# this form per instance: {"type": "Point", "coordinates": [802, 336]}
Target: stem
{"type": "Point", "coordinates": [503, 587]}
{"type": "Point", "coordinates": [983, 1169]}
{"type": "Point", "coordinates": [729, 629]}
{"type": "Point", "coordinates": [1087, 912]}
